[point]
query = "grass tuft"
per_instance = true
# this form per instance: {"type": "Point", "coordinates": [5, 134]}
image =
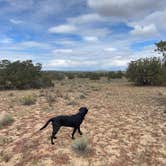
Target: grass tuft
{"type": "Point", "coordinates": [6, 120]}
{"type": "Point", "coordinates": [28, 100]}
{"type": "Point", "coordinates": [81, 146]}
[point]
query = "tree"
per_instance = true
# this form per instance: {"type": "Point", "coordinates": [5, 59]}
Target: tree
{"type": "Point", "coordinates": [21, 75]}
{"type": "Point", "coordinates": [145, 71]}
{"type": "Point", "coordinates": [161, 48]}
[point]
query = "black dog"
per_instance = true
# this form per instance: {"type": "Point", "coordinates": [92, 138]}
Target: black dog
{"type": "Point", "coordinates": [73, 121]}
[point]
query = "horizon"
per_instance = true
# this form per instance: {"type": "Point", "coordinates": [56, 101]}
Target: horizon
{"type": "Point", "coordinates": [81, 35]}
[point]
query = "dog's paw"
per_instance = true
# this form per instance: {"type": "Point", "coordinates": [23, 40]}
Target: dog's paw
{"type": "Point", "coordinates": [55, 137]}
{"type": "Point", "coordinates": [52, 143]}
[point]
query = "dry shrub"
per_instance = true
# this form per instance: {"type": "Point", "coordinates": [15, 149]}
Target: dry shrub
{"type": "Point", "coordinates": [81, 146]}
{"type": "Point", "coordinates": [6, 120]}
{"type": "Point", "coordinates": [28, 100]}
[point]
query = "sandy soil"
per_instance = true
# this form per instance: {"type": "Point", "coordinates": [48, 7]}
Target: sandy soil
{"type": "Point", "coordinates": [125, 126]}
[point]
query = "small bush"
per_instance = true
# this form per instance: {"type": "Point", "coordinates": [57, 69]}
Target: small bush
{"type": "Point", "coordinates": [6, 120]}
{"type": "Point", "coordinates": [72, 103]}
{"type": "Point", "coordinates": [81, 145]}
{"type": "Point", "coordinates": [47, 109]}
{"type": "Point", "coordinates": [51, 99]}
{"type": "Point", "coordinates": [28, 100]}
{"type": "Point", "coordinates": [82, 96]}
{"type": "Point", "coordinates": [94, 76]}
{"type": "Point", "coordinates": [115, 74]}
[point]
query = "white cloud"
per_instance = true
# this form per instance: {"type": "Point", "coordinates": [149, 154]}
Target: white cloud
{"type": "Point", "coordinates": [64, 63]}
{"type": "Point", "coordinates": [14, 21]}
{"type": "Point", "coordinates": [21, 46]}
{"type": "Point", "coordinates": [62, 51]}
{"type": "Point", "coordinates": [149, 30]}
{"type": "Point", "coordinates": [110, 49]}
{"type": "Point", "coordinates": [90, 38]}
{"type": "Point", "coordinates": [86, 18]}
{"type": "Point", "coordinates": [66, 28]}
{"type": "Point", "coordinates": [127, 9]}
{"type": "Point", "coordinates": [157, 19]}
{"type": "Point", "coordinates": [6, 40]}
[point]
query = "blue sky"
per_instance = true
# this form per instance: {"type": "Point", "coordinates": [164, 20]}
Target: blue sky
{"type": "Point", "coordinates": [81, 34]}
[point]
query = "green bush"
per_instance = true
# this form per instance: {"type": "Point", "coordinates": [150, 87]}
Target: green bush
{"type": "Point", "coordinates": [22, 75]}
{"type": "Point", "coordinates": [145, 71]}
{"type": "Point", "coordinates": [115, 74]}
{"type": "Point", "coordinates": [149, 71]}
{"type": "Point", "coordinates": [6, 120]}
{"type": "Point", "coordinates": [94, 76]}
{"type": "Point", "coordinates": [28, 100]}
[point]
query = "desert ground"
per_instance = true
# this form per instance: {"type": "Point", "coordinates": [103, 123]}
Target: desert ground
{"type": "Point", "coordinates": [125, 125]}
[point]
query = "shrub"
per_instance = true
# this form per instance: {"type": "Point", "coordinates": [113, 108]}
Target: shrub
{"type": "Point", "coordinates": [22, 75]}
{"type": "Point", "coordinates": [70, 75]}
{"type": "Point", "coordinates": [6, 120]}
{"type": "Point", "coordinates": [113, 74]}
{"type": "Point", "coordinates": [82, 96]}
{"type": "Point", "coordinates": [145, 71]}
{"type": "Point", "coordinates": [72, 103]}
{"type": "Point", "coordinates": [28, 100]}
{"type": "Point", "coordinates": [51, 99]}
{"type": "Point", "coordinates": [81, 145]}
{"type": "Point", "coordinates": [94, 76]}
{"type": "Point", "coordinates": [47, 109]}
{"type": "Point", "coordinates": [149, 71]}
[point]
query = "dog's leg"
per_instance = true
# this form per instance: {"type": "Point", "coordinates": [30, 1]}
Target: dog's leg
{"type": "Point", "coordinates": [74, 133]}
{"type": "Point", "coordinates": [55, 131]}
{"type": "Point", "coordinates": [80, 132]}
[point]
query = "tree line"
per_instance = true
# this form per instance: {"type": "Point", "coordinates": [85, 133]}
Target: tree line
{"type": "Point", "coordinates": [22, 75]}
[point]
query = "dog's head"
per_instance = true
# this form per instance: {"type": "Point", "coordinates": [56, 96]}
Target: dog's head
{"type": "Point", "coordinates": [83, 111]}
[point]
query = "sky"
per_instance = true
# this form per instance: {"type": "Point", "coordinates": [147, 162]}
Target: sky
{"type": "Point", "coordinates": [81, 35]}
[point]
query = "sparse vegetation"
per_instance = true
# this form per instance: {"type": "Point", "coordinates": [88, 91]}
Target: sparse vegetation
{"type": "Point", "coordinates": [81, 145]}
{"type": "Point", "coordinates": [28, 100]}
{"type": "Point", "coordinates": [72, 102]}
{"type": "Point", "coordinates": [114, 74]}
{"type": "Point", "coordinates": [117, 111]}
{"type": "Point", "coordinates": [47, 109]}
{"type": "Point", "coordinates": [6, 120]}
{"type": "Point", "coordinates": [82, 96]}
{"type": "Point", "coordinates": [50, 99]}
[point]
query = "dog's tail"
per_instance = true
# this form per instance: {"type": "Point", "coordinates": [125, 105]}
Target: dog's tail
{"type": "Point", "coordinates": [46, 124]}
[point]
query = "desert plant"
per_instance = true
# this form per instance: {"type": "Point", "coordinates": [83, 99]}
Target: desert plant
{"type": "Point", "coordinates": [72, 103]}
{"type": "Point", "coordinates": [94, 76]}
{"type": "Point", "coordinates": [28, 100]}
{"type": "Point", "coordinates": [6, 120]}
{"type": "Point", "coordinates": [81, 146]}
{"type": "Point", "coordinates": [22, 75]}
{"type": "Point", "coordinates": [115, 74]}
{"type": "Point", "coordinates": [82, 96]}
{"type": "Point", "coordinates": [145, 71]}
{"type": "Point", "coordinates": [47, 109]}
{"type": "Point", "coordinates": [50, 99]}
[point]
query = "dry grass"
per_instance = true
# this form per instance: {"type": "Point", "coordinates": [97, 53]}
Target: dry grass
{"type": "Point", "coordinates": [6, 120]}
{"type": "Point", "coordinates": [81, 146]}
{"type": "Point", "coordinates": [28, 100]}
{"type": "Point", "coordinates": [125, 125]}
